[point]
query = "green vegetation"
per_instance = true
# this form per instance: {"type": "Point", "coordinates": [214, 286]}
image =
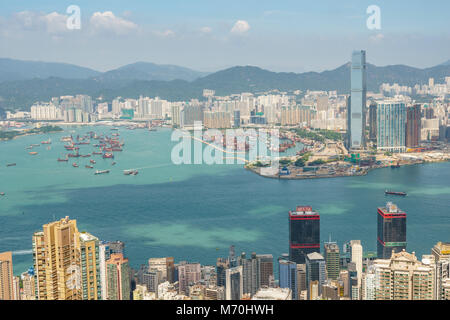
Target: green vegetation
{"type": "Point", "coordinates": [8, 135]}
{"type": "Point", "coordinates": [317, 162]}
{"type": "Point", "coordinates": [301, 162]}
{"type": "Point", "coordinates": [259, 164]}
{"type": "Point", "coordinates": [388, 154]}
{"type": "Point", "coordinates": [285, 162]}
{"type": "Point", "coordinates": [331, 135]}
{"type": "Point", "coordinates": [303, 133]}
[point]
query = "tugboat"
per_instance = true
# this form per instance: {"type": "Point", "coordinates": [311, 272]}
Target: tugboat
{"type": "Point", "coordinates": [395, 193]}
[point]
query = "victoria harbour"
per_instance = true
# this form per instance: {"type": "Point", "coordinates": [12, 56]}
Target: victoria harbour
{"type": "Point", "coordinates": [196, 212]}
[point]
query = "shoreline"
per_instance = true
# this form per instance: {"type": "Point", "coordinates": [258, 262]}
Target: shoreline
{"type": "Point", "coordinates": [325, 176]}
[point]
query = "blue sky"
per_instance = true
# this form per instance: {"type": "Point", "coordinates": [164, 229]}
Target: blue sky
{"type": "Point", "coordinates": [210, 35]}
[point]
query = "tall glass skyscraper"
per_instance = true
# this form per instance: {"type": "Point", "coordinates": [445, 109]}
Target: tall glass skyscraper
{"type": "Point", "coordinates": [288, 276]}
{"type": "Point", "coordinates": [391, 229]}
{"type": "Point", "coordinates": [357, 104]}
{"type": "Point", "coordinates": [391, 126]}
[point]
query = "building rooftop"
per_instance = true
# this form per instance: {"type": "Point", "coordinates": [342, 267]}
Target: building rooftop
{"type": "Point", "coordinates": [273, 294]}
{"type": "Point", "coordinates": [315, 256]}
{"type": "Point", "coordinates": [303, 210]}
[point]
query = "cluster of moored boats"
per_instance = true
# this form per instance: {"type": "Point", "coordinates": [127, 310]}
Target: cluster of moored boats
{"type": "Point", "coordinates": [105, 146]}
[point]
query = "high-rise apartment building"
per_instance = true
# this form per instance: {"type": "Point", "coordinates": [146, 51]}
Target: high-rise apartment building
{"type": "Point", "coordinates": [251, 273]}
{"type": "Point", "coordinates": [391, 126]}
{"type": "Point", "coordinates": [90, 267]}
{"type": "Point", "coordinates": [188, 273]}
{"type": "Point", "coordinates": [6, 276]}
{"type": "Point", "coordinates": [403, 277]}
{"type": "Point", "coordinates": [288, 276]}
{"type": "Point", "coordinates": [118, 277]}
{"type": "Point", "coordinates": [441, 254]}
{"type": "Point", "coordinates": [315, 271]}
{"type": "Point", "coordinates": [373, 121]}
{"type": "Point", "coordinates": [56, 254]}
{"type": "Point", "coordinates": [265, 268]}
{"type": "Point", "coordinates": [165, 265]}
{"type": "Point", "coordinates": [356, 254]}
{"type": "Point", "coordinates": [391, 229]}
{"type": "Point", "coordinates": [304, 233]}
{"type": "Point", "coordinates": [234, 283]}
{"type": "Point", "coordinates": [332, 256]}
{"type": "Point", "coordinates": [413, 126]}
{"type": "Point", "coordinates": [357, 106]}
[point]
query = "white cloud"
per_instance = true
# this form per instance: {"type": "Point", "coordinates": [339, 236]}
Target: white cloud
{"type": "Point", "coordinates": [107, 21]}
{"type": "Point", "coordinates": [164, 34]}
{"type": "Point", "coordinates": [206, 30]}
{"type": "Point", "coordinates": [376, 38]}
{"type": "Point", "coordinates": [240, 27]}
{"type": "Point", "coordinates": [53, 23]}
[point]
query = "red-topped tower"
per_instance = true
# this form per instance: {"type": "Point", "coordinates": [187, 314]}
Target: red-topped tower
{"type": "Point", "coordinates": [304, 233]}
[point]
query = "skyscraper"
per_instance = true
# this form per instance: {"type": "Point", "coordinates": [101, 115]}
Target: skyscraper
{"type": "Point", "coordinates": [6, 276]}
{"type": "Point", "coordinates": [288, 276]}
{"type": "Point", "coordinates": [356, 253]}
{"type": "Point", "coordinates": [118, 277]}
{"type": "Point", "coordinates": [304, 233]}
{"type": "Point", "coordinates": [265, 268]}
{"type": "Point", "coordinates": [357, 106]}
{"type": "Point", "coordinates": [56, 254]}
{"type": "Point", "coordinates": [391, 227]}
{"type": "Point", "coordinates": [332, 255]}
{"type": "Point", "coordinates": [391, 126]}
{"type": "Point", "coordinates": [234, 283]}
{"type": "Point", "coordinates": [251, 273]}
{"type": "Point", "coordinates": [413, 125]}
{"type": "Point", "coordinates": [104, 255]}
{"type": "Point", "coordinates": [90, 267]}
{"type": "Point", "coordinates": [315, 271]}
{"type": "Point", "coordinates": [373, 121]}
{"type": "Point", "coordinates": [165, 265]}
{"type": "Point", "coordinates": [188, 273]}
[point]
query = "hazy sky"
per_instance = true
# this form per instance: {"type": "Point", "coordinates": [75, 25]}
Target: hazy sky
{"type": "Point", "coordinates": [208, 35]}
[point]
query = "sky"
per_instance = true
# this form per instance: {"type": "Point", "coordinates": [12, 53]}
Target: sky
{"type": "Point", "coordinates": [209, 35]}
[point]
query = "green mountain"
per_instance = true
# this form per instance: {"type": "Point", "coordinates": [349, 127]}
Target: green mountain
{"type": "Point", "coordinates": [12, 70]}
{"type": "Point", "coordinates": [22, 93]}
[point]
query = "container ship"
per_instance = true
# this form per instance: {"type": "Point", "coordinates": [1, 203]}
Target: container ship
{"type": "Point", "coordinates": [395, 193]}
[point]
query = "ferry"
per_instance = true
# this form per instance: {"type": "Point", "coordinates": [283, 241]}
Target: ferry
{"type": "Point", "coordinates": [130, 172]}
{"type": "Point", "coordinates": [74, 165]}
{"type": "Point", "coordinates": [10, 164]}
{"type": "Point", "coordinates": [395, 193]}
{"type": "Point", "coordinates": [101, 171]}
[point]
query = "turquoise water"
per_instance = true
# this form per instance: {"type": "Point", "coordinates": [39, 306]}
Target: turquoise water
{"type": "Point", "coordinates": [194, 212]}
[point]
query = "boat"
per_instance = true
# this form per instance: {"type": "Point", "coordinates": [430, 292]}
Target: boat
{"type": "Point", "coordinates": [89, 167]}
{"type": "Point", "coordinates": [395, 193]}
{"type": "Point", "coordinates": [63, 160]}
{"type": "Point", "coordinates": [74, 165]}
{"type": "Point", "coordinates": [35, 145]}
{"type": "Point", "coordinates": [85, 155]}
{"type": "Point", "coordinates": [10, 164]}
{"type": "Point", "coordinates": [33, 153]}
{"type": "Point", "coordinates": [108, 156]}
{"type": "Point", "coordinates": [130, 172]}
{"type": "Point", "coordinates": [101, 171]}
{"type": "Point", "coordinates": [49, 141]}
{"type": "Point", "coordinates": [113, 163]}
{"type": "Point", "coordinates": [73, 155]}
{"type": "Point", "coordinates": [92, 161]}
{"type": "Point", "coordinates": [395, 166]}
{"type": "Point", "coordinates": [97, 153]}
{"type": "Point", "coordinates": [2, 193]}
